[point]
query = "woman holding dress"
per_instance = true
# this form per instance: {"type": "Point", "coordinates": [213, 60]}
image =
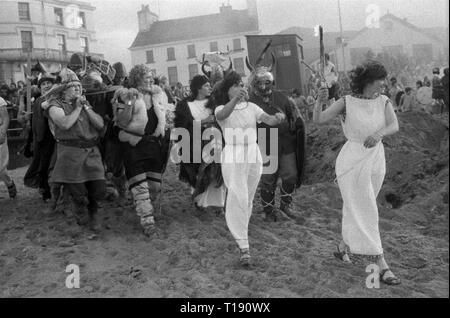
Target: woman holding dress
{"type": "Point", "coordinates": [367, 117]}
{"type": "Point", "coordinates": [206, 188]}
{"type": "Point", "coordinates": [241, 158]}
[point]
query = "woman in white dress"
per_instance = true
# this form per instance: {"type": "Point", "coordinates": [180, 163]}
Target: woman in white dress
{"type": "Point", "coordinates": [241, 158]}
{"type": "Point", "coordinates": [367, 117]}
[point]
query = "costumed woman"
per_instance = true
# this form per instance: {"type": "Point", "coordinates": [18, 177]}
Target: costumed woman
{"type": "Point", "coordinates": [367, 117]}
{"type": "Point", "coordinates": [241, 157]}
{"type": "Point", "coordinates": [4, 152]}
{"type": "Point", "coordinates": [204, 178]}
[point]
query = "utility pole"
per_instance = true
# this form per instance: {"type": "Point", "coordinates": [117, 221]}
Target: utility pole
{"type": "Point", "coordinates": [342, 38]}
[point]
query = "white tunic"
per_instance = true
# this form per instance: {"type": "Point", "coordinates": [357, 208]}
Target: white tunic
{"type": "Point", "coordinates": [4, 152]}
{"type": "Point", "coordinates": [241, 167]}
{"type": "Point", "coordinates": [360, 173]}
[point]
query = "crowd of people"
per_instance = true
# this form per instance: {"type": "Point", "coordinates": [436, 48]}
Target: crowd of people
{"type": "Point", "coordinates": [416, 87]}
{"type": "Point", "coordinates": [78, 149]}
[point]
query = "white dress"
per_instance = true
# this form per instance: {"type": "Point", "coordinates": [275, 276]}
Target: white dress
{"type": "Point", "coordinates": [241, 167]}
{"type": "Point", "coordinates": [4, 152]}
{"type": "Point", "coordinates": [213, 196]}
{"type": "Point", "coordinates": [360, 173]}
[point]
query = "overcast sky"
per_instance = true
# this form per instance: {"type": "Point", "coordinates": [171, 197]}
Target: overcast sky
{"type": "Point", "coordinates": [116, 20]}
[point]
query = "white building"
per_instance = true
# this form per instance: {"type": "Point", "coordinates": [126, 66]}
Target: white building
{"type": "Point", "coordinates": [393, 35]}
{"type": "Point", "coordinates": [175, 47]}
{"type": "Point", "coordinates": [50, 29]}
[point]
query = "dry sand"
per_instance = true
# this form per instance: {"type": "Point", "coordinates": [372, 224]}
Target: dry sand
{"type": "Point", "coordinates": [193, 254]}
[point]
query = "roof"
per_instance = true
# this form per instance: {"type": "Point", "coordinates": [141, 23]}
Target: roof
{"type": "Point", "coordinates": [311, 43]}
{"type": "Point", "coordinates": [403, 22]}
{"type": "Point", "coordinates": [167, 31]}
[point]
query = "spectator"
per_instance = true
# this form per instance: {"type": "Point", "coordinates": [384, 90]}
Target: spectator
{"type": "Point", "coordinates": [4, 93]}
{"type": "Point", "coordinates": [300, 104]}
{"type": "Point", "coordinates": [395, 92]}
{"type": "Point", "coordinates": [179, 92]}
{"type": "Point", "coordinates": [438, 90]}
{"type": "Point", "coordinates": [445, 84]}
{"type": "Point", "coordinates": [164, 84]}
{"type": "Point", "coordinates": [407, 100]}
{"type": "Point", "coordinates": [419, 84]}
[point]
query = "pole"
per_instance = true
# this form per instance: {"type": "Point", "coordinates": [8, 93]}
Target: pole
{"type": "Point", "coordinates": [342, 38]}
{"type": "Point", "coordinates": [28, 106]}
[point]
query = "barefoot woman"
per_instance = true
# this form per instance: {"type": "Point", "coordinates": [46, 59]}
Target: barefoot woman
{"type": "Point", "coordinates": [367, 117]}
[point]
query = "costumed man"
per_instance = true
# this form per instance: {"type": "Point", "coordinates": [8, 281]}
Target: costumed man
{"type": "Point", "coordinates": [204, 178]}
{"type": "Point", "coordinates": [142, 128]}
{"type": "Point", "coordinates": [291, 142]}
{"type": "Point", "coordinates": [113, 154]}
{"type": "Point", "coordinates": [43, 141]}
{"type": "Point", "coordinates": [78, 167]}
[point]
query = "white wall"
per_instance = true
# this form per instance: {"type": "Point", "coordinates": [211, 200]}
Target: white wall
{"type": "Point", "coordinates": [11, 26]}
{"type": "Point", "coordinates": [139, 56]}
{"type": "Point", "coordinates": [377, 38]}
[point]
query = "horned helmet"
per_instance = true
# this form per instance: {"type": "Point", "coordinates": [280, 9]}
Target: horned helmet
{"type": "Point", "coordinates": [261, 80]}
{"type": "Point", "coordinates": [217, 72]}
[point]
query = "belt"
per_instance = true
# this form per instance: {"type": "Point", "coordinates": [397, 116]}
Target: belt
{"type": "Point", "coordinates": [79, 143]}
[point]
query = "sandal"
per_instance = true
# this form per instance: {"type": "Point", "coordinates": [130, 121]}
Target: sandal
{"type": "Point", "coordinates": [342, 256]}
{"type": "Point", "coordinates": [392, 281]}
{"type": "Point", "coordinates": [245, 257]}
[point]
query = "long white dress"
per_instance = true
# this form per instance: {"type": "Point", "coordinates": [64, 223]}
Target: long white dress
{"type": "Point", "coordinates": [4, 152]}
{"type": "Point", "coordinates": [360, 173]}
{"type": "Point", "coordinates": [241, 167]}
{"type": "Point", "coordinates": [213, 196]}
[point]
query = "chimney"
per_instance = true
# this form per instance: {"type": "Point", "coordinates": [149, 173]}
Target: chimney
{"type": "Point", "coordinates": [226, 9]}
{"type": "Point", "coordinates": [146, 18]}
{"type": "Point", "coordinates": [252, 10]}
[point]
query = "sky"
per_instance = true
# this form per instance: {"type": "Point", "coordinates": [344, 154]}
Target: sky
{"type": "Point", "coordinates": [116, 20]}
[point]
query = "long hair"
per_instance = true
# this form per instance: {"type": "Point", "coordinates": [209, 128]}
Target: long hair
{"type": "Point", "coordinates": [221, 96]}
{"type": "Point", "coordinates": [366, 73]}
{"type": "Point", "coordinates": [137, 75]}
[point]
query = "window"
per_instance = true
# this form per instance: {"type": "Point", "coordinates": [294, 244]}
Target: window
{"type": "Point", "coordinates": [84, 43]}
{"type": "Point", "coordinates": [237, 44]}
{"type": "Point", "coordinates": [191, 51]}
{"type": "Point", "coordinates": [62, 43]}
{"type": "Point", "coordinates": [239, 66]}
{"type": "Point", "coordinates": [82, 20]}
{"type": "Point", "coordinates": [170, 54]}
{"type": "Point", "coordinates": [394, 50]}
{"type": "Point", "coordinates": [193, 70]}
{"type": "Point", "coordinates": [283, 50]}
{"type": "Point", "coordinates": [27, 41]}
{"type": "Point", "coordinates": [150, 58]}
{"type": "Point", "coordinates": [59, 16]}
{"type": "Point", "coordinates": [214, 46]}
{"type": "Point", "coordinates": [173, 75]}
{"type": "Point", "coordinates": [287, 50]}
{"type": "Point", "coordinates": [24, 11]}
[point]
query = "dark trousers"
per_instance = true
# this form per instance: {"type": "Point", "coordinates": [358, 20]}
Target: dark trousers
{"type": "Point", "coordinates": [87, 194]}
{"type": "Point", "coordinates": [287, 171]}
